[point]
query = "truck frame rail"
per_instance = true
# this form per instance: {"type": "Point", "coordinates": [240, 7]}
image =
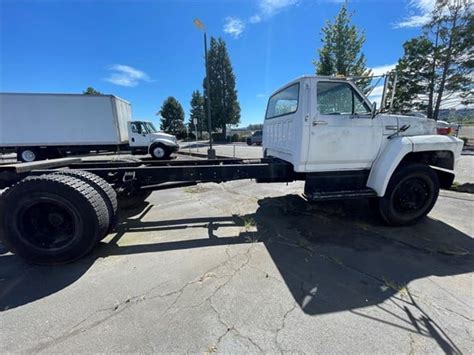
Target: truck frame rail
{"type": "Point", "coordinates": [156, 175]}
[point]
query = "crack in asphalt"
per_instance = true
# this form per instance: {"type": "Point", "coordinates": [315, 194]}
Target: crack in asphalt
{"type": "Point", "coordinates": [282, 326]}
{"type": "Point", "coordinates": [122, 306]}
{"type": "Point", "coordinates": [451, 311]}
{"type": "Point", "coordinates": [219, 316]}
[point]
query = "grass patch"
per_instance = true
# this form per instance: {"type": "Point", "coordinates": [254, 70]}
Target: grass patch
{"type": "Point", "coordinates": [195, 189]}
{"type": "Point", "coordinates": [249, 222]}
{"type": "Point", "coordinates": [401, 288]}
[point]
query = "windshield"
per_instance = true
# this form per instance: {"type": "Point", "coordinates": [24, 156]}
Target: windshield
{"type": "Point", "coordinates": [150, 127]}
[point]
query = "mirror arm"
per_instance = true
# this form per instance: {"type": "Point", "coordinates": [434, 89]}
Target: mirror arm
{"type": "Point", "coordinates": [374, 110]}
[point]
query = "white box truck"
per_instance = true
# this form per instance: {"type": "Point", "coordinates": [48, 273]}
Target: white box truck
{"type": "Point", "coordinates": [42, 126]}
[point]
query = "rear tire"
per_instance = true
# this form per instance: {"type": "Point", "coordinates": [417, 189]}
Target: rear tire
{"type": "Point", "coordinates": [103, 188]}
{"type": "Point", "coordinates": [410, 195]}
{"type": "Point", "coordinates": [52, 219]}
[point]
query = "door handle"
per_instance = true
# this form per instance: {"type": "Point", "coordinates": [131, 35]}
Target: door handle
{"type": "Point", "coordinates": [391, 128]}
{"type": "Point", "coordinates": [319, 123]}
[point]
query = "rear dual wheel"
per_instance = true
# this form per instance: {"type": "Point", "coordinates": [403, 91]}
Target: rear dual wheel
{"type": "Point", "coordinates": [103, 188]}
{"type": "Point", "coordinates": [53, 219]}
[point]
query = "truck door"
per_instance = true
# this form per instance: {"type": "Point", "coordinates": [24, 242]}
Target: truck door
{"type": "Point", "coordinates": [343, 135]}
{"type": "Point", "coordinates": [138, 134]}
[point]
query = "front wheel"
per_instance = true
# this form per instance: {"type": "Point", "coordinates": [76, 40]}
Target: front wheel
{"type": "Point", "coordinates": [160, 151]}
{"type": "Point", "coordinates": [28, 155]}
{"type": "Point", "coordinates": [410, 195]}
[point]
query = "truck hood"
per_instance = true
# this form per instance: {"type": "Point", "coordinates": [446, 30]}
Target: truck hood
{"type": "Point", "coordinates": [418, 125]}
{"type": "Point", "coordinates": [163, 137]}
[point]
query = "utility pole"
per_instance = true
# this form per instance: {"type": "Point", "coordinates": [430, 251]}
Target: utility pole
{"type": "Point", "coordinates": [211, 153]}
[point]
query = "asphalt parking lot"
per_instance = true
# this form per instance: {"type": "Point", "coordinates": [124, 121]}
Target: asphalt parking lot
{"type": "Point", "coordinates": [245, 267]}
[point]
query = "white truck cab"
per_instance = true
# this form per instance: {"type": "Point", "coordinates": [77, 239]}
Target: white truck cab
{"type": "Point", "coordinates": [330, 132]}
{"type": "Point", "coordinates": [145, 138]}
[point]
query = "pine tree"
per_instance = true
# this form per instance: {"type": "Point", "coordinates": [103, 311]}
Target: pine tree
{"type": "Point", "coordinates": [172, 117]}
{"type": "Point", "coordinates": [341, 50]}
{"type": "Point", "coordinates": [454, 21]}
{"type": "Point", "coordinates": [225, 108]}
{"type": "Point", "coordinates": [413, 74]}
{"type": "Point", "coordinates": [197, 113]}
{"type": "Point", "coordinates": [437, 66]}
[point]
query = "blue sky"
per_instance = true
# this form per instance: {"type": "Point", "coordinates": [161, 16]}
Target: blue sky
{"type": "Point", "coordinates": [145, 51]}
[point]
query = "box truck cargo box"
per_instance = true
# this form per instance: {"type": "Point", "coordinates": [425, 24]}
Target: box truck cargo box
{"type": "Point", "coordinates": [63, 119]}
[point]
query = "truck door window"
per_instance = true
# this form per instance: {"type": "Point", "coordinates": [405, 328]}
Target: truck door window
{"type": "Point", "coordinates": [283, 102]}
{"type": "Point", "coordinates": [135, 128]}
{"type": "Point", "coordinates": [335, 98]}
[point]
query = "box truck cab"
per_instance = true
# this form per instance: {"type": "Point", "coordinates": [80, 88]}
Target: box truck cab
{"type": "Point", "coordinates": [145, 138]}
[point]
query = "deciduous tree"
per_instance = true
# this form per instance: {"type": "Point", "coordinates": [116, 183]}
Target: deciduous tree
{"type": "Point", "coordinates": [172, 117]}
{"type": "Point", "coordinates": [91, 91]}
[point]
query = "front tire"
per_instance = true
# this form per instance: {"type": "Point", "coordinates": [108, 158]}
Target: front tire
{"type": "Point", "coordinates": [52, 219]}
{"type": "Point", "coordinates": [28, 155]}
{"type": "Point", "coordinates": [410, 195]}
{"type": "Point", "coordinates": [160, 151]}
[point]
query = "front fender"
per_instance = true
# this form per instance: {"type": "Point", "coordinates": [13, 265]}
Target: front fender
{"type": "Point", "coordinates": [397, 148]}
{"type": "Point", "coordinates": [168, 142]}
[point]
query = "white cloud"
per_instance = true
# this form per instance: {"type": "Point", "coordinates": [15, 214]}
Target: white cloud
{"type": "Point", "coordinates": [262, 96]}
{"type": "Point", "coordinates": [234, 26]}
{"type": "Point", "coordinates": [420, 11]}
{"type": "Point", "coordinates": [269, 8]}
{"type": "Point", "coordinates": [383, 69]}
{"type": "Point", "coordinates": [125, 75]}
{"type": "Point", "coordinates": [255, 19]}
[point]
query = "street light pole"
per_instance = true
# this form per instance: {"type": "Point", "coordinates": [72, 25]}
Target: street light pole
{"type": "Point", "coordinates": [211, 153]}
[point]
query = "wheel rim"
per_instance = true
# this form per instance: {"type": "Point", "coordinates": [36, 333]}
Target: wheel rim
{"type": "Point", "coordinates": [48, 224]}
{"type": "Point", "coordinates": [28, 155]}
{"type": "Point", "coordinates": [158, 152]}
{"type": "Point", "coordinates": [411, 196]}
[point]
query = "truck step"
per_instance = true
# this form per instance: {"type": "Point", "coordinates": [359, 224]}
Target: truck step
{"type": "Point", "coordinates": [340, 195]}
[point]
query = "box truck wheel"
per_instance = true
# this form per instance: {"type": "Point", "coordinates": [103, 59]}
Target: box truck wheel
{"type": "Point", "coordinates": [103, 188]}
{"type": "Point", "coordinates": [52, 219]}
{"type": "Point", "coordinates": [28, 155]}
{"type": "Point", "coordinates": [411, 194]}
{"type": "Point", "coordinates": [160, 151]}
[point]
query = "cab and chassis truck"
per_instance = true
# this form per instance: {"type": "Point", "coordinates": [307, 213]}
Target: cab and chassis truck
{"type": "Point", "coordinates": [321, 130]}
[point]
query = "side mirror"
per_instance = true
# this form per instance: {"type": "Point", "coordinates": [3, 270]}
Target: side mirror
{"type": "Point", "coordinates": [374, 109]}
